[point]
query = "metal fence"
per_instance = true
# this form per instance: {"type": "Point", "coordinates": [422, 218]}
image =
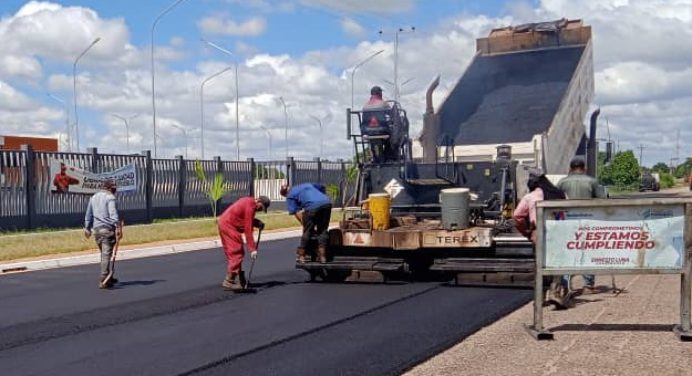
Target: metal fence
{"type": "Point", "coordinates": [166, 188]}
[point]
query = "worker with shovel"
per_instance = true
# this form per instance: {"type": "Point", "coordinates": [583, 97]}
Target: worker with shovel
{"type": "Point", "coordinates": [236, 220]}
{"type": "Point", "coordinates": [102, 218]}
{"type": "Point", "coordinates": [313, 209]}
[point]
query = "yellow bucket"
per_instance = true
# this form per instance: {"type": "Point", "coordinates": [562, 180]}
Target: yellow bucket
{"type": "Point", "coordinates": [379, 204]}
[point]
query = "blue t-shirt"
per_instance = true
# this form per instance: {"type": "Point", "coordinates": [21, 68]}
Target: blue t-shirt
{"type": "Point", "coordinates": [306, 196]}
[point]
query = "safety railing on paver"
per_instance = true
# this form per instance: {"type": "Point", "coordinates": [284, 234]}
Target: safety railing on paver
{"type": "Point", "coordinates": [165, 188]}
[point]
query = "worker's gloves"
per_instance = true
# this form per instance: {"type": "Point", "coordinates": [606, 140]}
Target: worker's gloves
{"type": "Point", "coordinates": [253, 255]}
{"type": "Point", "coordinates": [259, 224]}
{"type": "Point", "coordinates": [87, 233]}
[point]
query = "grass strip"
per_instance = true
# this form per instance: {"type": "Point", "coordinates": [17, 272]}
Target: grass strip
{"type": "Point", "coordinates": [41, 243]}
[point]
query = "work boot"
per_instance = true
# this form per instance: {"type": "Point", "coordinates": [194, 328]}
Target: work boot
{"type": "Point", "coordinates": [230, 283]}
{"type": "Point", "coordinates": [241, 278]}
{"type": "Point", "coordinates": [106, 285]}
{"type": "Point", "coordinates": [558, 295]}
{"type": "Point", "coordinates": [301, 255]}
{"type": "Point", "coordinates": [322, 254]}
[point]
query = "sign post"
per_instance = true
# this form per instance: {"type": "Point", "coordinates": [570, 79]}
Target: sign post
{"type": "Point", "coordinates": [634, 236]}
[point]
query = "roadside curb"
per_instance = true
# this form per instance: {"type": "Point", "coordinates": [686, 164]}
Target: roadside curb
{"type": "Point", "coordinates": [61, 262]}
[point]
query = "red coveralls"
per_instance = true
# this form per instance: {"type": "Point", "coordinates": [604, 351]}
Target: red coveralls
{"type": "Point", "coordinates": [237, 219]}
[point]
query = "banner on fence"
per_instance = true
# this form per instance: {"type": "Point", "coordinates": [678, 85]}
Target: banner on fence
{"type": "Point", "coordinates": [71, 179]}
{"type": "Point", "coordinates": [624, 237]}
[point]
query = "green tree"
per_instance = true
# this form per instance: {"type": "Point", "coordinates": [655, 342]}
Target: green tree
{"type": "Point", "coordinates": [214, 189]}
{"type": "Point", "coordinates": [624, 170]}
{"type": "Point", "coordinates": [683, 169]}
{"type": "Point", "coordinates": [660, 167]}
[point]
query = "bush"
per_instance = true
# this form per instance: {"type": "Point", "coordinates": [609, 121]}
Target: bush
{"type": "Point", "coordinates": [667, 180]}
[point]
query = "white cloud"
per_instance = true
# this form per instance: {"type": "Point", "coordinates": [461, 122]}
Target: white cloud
{"type": "Point", "coordinates": [13, 100]}
{"type": "Point", "coordinates": [363, 6]}
{"type": "Point", "coordinates": [20, 66]}
{"type": "Point", "coordinates": [61, 33]}
{"type": "Point", "coordinates": [225, 26]}
{"type": "Point", "coordinates": [352, 27]}
{"type": "Point", "coordinates": [634, 82]}
{"type": "Point", "coordinates": [265, 6]}
{"type": "Point", "coordinates": [642, 51]}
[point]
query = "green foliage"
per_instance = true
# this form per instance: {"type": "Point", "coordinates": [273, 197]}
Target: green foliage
{"type": "Point", "coordinates": [350, 180]}
{"type": "Point", "coordinates": [624, 171]}
{"type": "Point", "coordinates": [333, 191]}
{"type": "Point", "coordinates": [660, 167]}
{"type": "Point", "coordinates": [214, 189]}
{"type": "Point", "coordinates": [683, 169]}
{"type": "Point", "coordinates": [263, 172]}
{"type": "Point", "coordinates": [667, 180]}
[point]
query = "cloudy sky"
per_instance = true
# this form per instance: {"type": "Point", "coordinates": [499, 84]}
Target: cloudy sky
{"type": "Point", "coordinates": [303, 51]}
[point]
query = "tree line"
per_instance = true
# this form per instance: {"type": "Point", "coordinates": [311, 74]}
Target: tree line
{"type": "Point", "coordinates": [624, 171]}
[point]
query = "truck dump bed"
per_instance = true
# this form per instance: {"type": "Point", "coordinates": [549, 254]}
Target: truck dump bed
{"type": "Point", "coordinates": [508, 98]}
{"type": "Point", "coordinates": [528, 86]}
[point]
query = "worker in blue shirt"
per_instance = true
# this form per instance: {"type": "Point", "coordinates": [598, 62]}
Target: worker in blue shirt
{"type": "Point", "coordinates": [313, 209]}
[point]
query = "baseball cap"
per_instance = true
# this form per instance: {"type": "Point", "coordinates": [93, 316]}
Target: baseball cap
{"type": "Point", "coordinates": [265, 201]}
{"type": "Point", "coordinates": [109, 184]}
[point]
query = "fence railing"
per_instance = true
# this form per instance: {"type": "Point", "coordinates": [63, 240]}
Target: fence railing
{"type": "Point", "coordinates": [166, 188]}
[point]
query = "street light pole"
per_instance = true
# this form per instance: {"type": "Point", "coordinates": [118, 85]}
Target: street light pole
{"type": "Point", "coordinates": [319, 121]}
{"type": "Point", "coordinates": [237, 116]}
{"type": "Point", "coordinates": [74, 88]}
{"type": "Point", "coordinates": [153, 87]}
{"type": "Point", "coordinates": [201, 104]}
{"type": "Point", "coordinates": [269, 135]}
{"type": "Point", "coordinates": [127, 127]}
{"type": "Point", "coordinates": [396, 58]}
{"type": "Point", "coordinates": [281, 99]}
{"type": "Point", "coordinates": [68, 138]}
{"type": "Point", "coordinates": [184, 136]}
{"type": "Point", "coordinates": [355, 67]}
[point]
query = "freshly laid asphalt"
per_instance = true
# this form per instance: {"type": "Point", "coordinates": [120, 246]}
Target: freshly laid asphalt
{"type": "Point", "coordinates": [169, 316]}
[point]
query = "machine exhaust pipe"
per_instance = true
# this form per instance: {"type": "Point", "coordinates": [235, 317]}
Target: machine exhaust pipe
{"type": "Point", "coordinates": [431, 128]}
{"type": "Point", "coordinates": [592, 148]}
{"type": "Point", "coordinates": [429, 109]}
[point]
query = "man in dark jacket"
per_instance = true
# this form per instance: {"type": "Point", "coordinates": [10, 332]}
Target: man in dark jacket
{"type": "Point", "coordinates": [579, 186]}
{"type": "Point", "coordinates": [313, 209]}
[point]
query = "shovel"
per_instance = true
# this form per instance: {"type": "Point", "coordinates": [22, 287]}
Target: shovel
{"type": "Point", "coordinates": [247, 289]}
{"type": "Point", "coordinates": [111, 262]}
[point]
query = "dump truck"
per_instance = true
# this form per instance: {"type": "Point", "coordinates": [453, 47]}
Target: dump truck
{"type": "Point", "coordinates": [441, 205]}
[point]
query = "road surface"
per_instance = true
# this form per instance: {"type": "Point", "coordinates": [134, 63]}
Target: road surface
{"type": "Point", "coordinates": [169, 316]}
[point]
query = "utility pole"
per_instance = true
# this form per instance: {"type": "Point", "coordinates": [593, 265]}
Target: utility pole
{"type": "Point", "coordinates": [641, 151]}
{"type": "Point", "coordinates": [674, 161]}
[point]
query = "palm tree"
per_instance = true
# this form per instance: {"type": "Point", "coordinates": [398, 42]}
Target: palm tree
{"type": "Point", "coordinates": [215, 189]}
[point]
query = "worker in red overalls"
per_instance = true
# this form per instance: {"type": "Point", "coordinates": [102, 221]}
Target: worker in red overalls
{"type": "Point", "coordinates": [238, 219]}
